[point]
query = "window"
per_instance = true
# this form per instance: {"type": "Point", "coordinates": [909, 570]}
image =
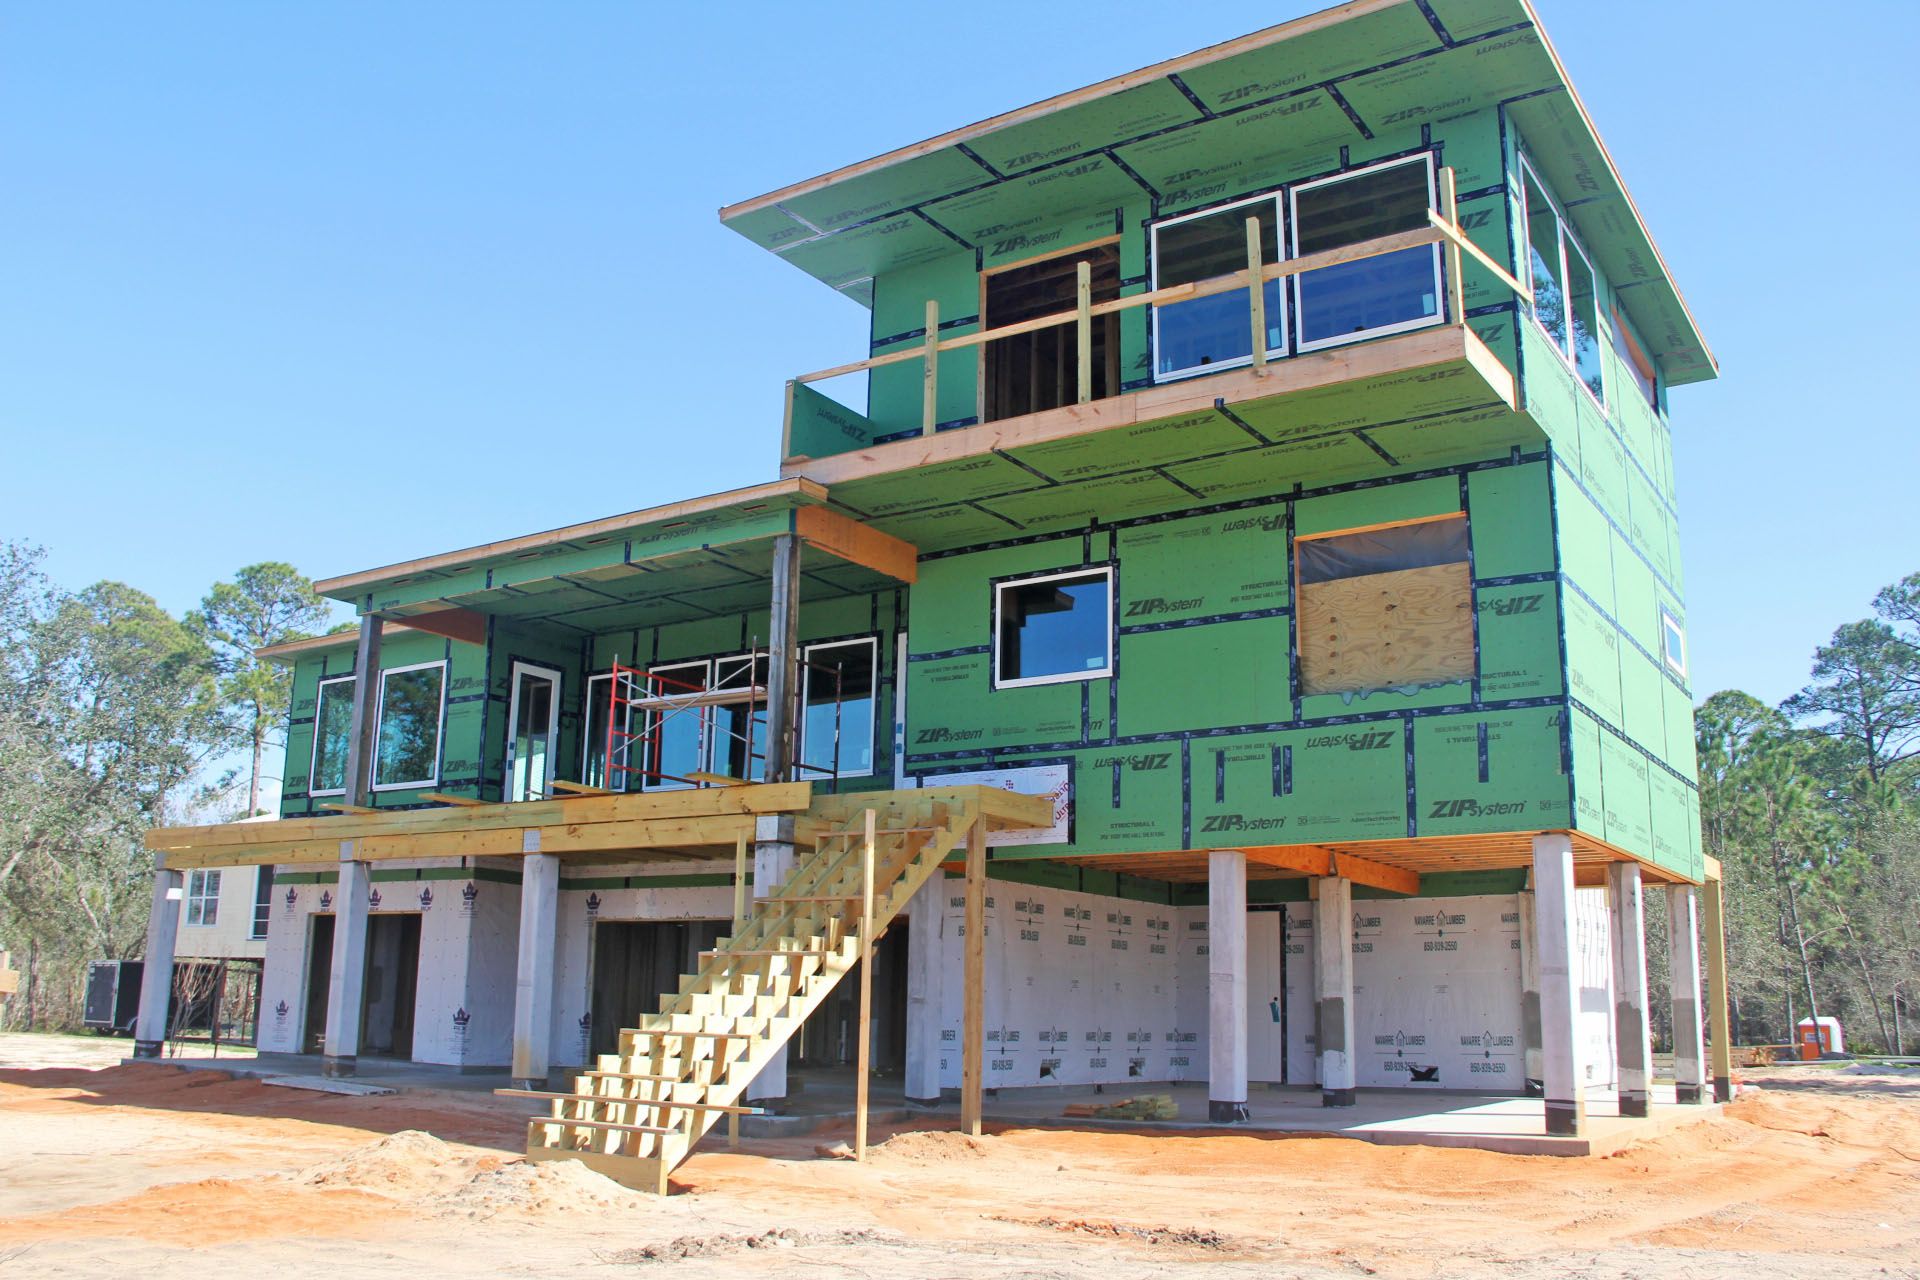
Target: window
{"type": "Point", "coordinates": [1385, 608]}
{"type": "Point", "coordinates": [407, 729]}
{"type": "Point", "coordinates": [1053, 628]}
{"type": "Point", "coordinates": [1674, 640]}
{"type": "Point", "coordinates": [593, 742]}
{"type": "Point", "coordinates": [1634, 357]}
{"type": "Point", "coordinates": [1373, 296]}
{"type": "Point", "coordinates": [676, 741]}
{"type": "Point", "coordinates": [737, 737]}
{"type": "Point", "coordinates": [836, 726]}
{"type": "Point", "coordinates": [1566, 300]}
{"type": "Point", "coordinates": [262, 902]}
{"type": "Point", "coordinates": [203, 897]}
{"type": "Point", "coordinates": [1216, 331]}
{"type": "Point", "coordinates": [332, 727]}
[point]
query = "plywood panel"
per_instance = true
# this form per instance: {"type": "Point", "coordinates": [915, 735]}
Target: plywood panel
{"type": "Point", "coordinates": [1387, 630]}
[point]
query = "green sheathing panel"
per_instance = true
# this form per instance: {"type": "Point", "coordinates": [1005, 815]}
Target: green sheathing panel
{"type": "Point", "coordinates": [1200, 739]}
{"type": "Point", "coordinates": [548, 647]}
{"type": "Point", "coordinates": [1611, 472]}
{"type": "Point", "coordinates": [464, 692]}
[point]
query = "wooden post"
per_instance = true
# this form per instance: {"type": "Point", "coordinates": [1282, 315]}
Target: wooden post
{"type": "Point", "coordinates": [1456, 284]}
{"type": "Point", "coordinates": [1256, 294]}
{"type": "Point", "coordinates": [866, 994]}
{"type": "Point", "coordinates": [739, 883]}
{"type": "Point", "coordinates": [1713, 924]}
{"type": "Point", "coordinates": [930, 375]}
{"type": "Point", "coordinates": [973, 1029]}
{"type": "Point", "coordinates": [1083, 328]}
{"type": "Point", "coordinates": [786, 425]}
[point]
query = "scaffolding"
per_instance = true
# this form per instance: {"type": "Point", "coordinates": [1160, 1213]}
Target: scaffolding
{"type": "Point", "coordinates": [657, 700]}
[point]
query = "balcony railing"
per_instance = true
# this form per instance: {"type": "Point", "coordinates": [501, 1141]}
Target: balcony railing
{"type": "Point", "coordinates": [825, 416]}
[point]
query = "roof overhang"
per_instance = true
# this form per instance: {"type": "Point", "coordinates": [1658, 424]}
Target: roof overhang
{"type": "Point", "coordinates": [1176, 131]}
{"type": "Point", "coordinates": [707, 557]}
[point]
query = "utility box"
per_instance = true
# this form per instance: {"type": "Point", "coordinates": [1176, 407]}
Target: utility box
{"type": "Point", "coordinates": [113, 995]}
{"type": "Point", "coordinates": [1817, 1038]}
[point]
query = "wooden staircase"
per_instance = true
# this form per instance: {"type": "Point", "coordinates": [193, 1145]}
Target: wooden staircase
{"type": "Point", "coordinates": [640, 1113]}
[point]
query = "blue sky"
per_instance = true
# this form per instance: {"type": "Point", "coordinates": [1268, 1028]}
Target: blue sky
{"type": "Point", "coordinates": [341, 284]}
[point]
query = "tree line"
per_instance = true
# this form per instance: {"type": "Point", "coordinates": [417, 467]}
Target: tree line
{"type": "Point", "coordinates": [116, 716]}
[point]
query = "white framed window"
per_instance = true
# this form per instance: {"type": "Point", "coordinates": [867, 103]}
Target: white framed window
{"type": "Point", "coordinates": [262, 903]}
{"type": "Point", "coordinates": [593, 742]}
{"type": "Point", "coordinates": [1053, 628]}
{"type": "Point", "coordinates": [675, 744]}
{"type": "Point", "coordinates": [1205, 335]}
{"type": "Point", "coordinates": [1673, 643]}
{"type": "Point", "coordinates": [1566, 302]}
{"type": "Point", "coordinates": [332, 728]}
{"type": "Point", "coordinates": [838, 680]}
{"type": "Point", "coordinates": [203, 898]}
{"type": "Point", "coordinates": [1370, 297]}
{"type": "Point", "coordinates": [737, 731]}
{"type": "Point", "coordinates": [406, 728]}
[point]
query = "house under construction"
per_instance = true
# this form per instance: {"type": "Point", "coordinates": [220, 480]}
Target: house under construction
{"type": "Point", "coordinates": [1238, 638]}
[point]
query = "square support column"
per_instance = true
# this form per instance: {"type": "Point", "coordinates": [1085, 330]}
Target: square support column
{"type": "Point", "coordinates": [533, 980]}
{"type": "Point", "coordinates": [1632, 1038]}
{"type": "Point", "coordinates": [926, 990]}
{"type": "Point", "coordinates": [1683, 954]}
{"type": "Point", "coordinates": [1226, 986]}
{"type": "Point", "coordinates": [783, 659]}
{"type": "Point", "coordinates": [1333, 989]}
{"type": "Point", "coordinates": [156, 984]}
{"type": "Point", "coordinates": [773, 858]}
{"type": "Point", "coordinates": [1713, 925]}
{"type": "Point", "coordinates": [973, 970]}
{"type": "Point", "coordinates": [1529, 997]}
{"type": "Point", "coordinates": [1559, 995]}
{"type": "Point", "coordinates": [348, 979]}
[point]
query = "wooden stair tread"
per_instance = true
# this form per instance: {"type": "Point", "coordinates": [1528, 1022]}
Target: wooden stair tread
{"type": "Point", "coordinates": [608, 1125]}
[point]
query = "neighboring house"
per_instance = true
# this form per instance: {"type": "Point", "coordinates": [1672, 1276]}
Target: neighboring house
{"type": "Point", "coordinates": [1336, 624]}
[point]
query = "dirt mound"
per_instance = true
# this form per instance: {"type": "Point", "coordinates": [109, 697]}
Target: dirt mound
{"type": "Point", "coordinates": [921, 1147]}
{"type": "Point", "coordinates": [711, 1246]}
{"type": "Point", "coordinates": [406, 1165]}
{"type": "Point", "coordinates": [524, 1187]}
{"type": "Point", "coordinates": [1185, 1237]}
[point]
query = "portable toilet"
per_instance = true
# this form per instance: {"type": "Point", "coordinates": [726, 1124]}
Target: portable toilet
{"type": "Point", "coordinates": [1819, 1036]}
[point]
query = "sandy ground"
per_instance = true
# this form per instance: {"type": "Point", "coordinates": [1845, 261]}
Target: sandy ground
{"type": "Point", "coordinates": [155, 1169]}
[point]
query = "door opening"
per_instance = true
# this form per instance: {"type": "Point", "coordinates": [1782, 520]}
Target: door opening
{"type": "Point", "coordinates": [392, 985]}
{"type": "Point", "coordinates": [1029, 372]}
{"type": "Point", "coordinates": [635, 962]}
{"type": "Point", "coordinates": [313, 1038]}
{"type": "Point", "coordinates": [533, 731]}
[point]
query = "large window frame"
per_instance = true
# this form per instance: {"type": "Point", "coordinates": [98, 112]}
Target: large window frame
{"type": "Point", "coordinates": [203, 899]}
{"type": "Point", "coordinates": [1426, 537]}
{"type": "Point", "coordinates": [1673, 640]}
{"type": "Point", "coordinates": [1105, 671]}
{"type": "Point", "coordinates": [1297, 324]}
{"type": "Point", "coordinates": [650, 781]}
{"type": "Point", "coordinates": [872, 645]}
{"type": "Point", "coordinates": [1276, 311]}
{"type": "Point", "coordinates": [262, 902]}
{"type": "Point", "coordinates": [319, 724]}
{"type": "Point", "coordinates": [439, 729]}
{"type": "Point", "coordinates": [1566, 344]}
{"type": "Point", "coordinates": [593, 735]}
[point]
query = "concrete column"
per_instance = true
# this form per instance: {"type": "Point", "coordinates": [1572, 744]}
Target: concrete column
{"type": "Point", "coordinates": [1632, 1038]}
{"type": "Point", "coordinates": [783, 659]}
{"type": "Point", "coordinates": [926, 989]}
{"type": "Point", "coordinates": [1333, 989]}
{"type": "Point", "coordinates": [156, 980]}
{"type": "Point", "coordinates": [1226, 986]}
{"type": "Point", "coordinates": [1713, 926]}
{"type": "Point", "coordinates": [349, 978]}
{"type": "Point", "coordinates": [533, 982]}
{"type": "Point", "coordinates": [1683, 956]}
{"type": "Point", "coordinates": [773, 859]}
{"type": "Point", "coordinates": [1529, 996]}
{"type": "Point", "coordinates": [1559, 993]}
